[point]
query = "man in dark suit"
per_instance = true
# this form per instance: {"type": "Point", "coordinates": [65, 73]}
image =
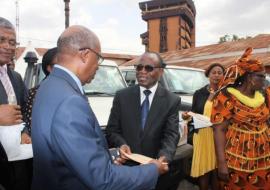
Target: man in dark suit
{"type": "Point", "coordinates": [70, 151]}
{"type": "Point", "coordinates": [13, 175]}
{"type": "Point", "coordinates": [151, 131]}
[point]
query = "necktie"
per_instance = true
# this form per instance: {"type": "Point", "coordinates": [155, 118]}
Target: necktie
{"type": "Point", "coordinates": [7, 85]}
{"type": "Point", "coordinates": [145, 107]}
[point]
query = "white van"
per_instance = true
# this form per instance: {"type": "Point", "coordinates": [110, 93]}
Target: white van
{"type": "Point", "coordinates": [100, 91]}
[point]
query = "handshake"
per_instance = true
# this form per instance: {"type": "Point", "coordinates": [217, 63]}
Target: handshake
{"type": "Point", "coordinates": [120, 156]}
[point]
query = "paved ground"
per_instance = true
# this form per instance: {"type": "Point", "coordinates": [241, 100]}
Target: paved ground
{"type": "Point", "coordinates": [185, 185]}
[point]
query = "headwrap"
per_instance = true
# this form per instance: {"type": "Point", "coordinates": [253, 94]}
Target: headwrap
{"type": "Point", "coordinates": [241, 66]}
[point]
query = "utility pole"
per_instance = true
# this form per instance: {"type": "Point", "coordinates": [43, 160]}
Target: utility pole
{"type": "Point", "coordinates": [17, 22]}
{"type": "Point", "coordinates": [66, 13]}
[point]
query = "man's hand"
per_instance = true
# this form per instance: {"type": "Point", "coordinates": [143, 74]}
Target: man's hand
{"type": "Point", "coordinates": [10, 114]}
{"type": "Point", "coordinates": [185, 116]}
{"type": "Point", "coordinates": [161, 164]}
{"type": "Point", "coordinates": [124, 149]}
{"type": "Point", "coordinates": [223, 172]}
{"type": "Point", "coordinates": [25, 139]}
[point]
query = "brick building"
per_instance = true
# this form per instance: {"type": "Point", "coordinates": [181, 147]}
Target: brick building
{"type": "Point", "coordinates": [170, 24]}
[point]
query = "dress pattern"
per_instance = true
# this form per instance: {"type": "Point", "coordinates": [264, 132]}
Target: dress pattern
{"type": "Point", "coordinates": [247, 148]}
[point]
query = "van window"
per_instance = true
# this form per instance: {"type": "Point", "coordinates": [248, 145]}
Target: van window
{"type": "Point", "coordinates": [184, 80]}
{"type": "Point", "coordinates": [108, 80]}
{"type": "Point", "coordinates": [130, 77]}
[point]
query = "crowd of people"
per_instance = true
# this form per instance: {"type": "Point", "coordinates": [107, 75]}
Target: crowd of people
{"type": "Point", "coordinates": [71, 152]}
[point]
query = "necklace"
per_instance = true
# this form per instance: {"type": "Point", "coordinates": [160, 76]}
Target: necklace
{"type": "Point", "coordinates": [255, 102]}
{"type": "Point", "coordinates": [210, 89]}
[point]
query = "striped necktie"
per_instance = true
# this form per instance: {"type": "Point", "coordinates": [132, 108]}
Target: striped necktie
{"type": "Point", "coordinates": [7, 85]}
{"type": "Point", "coordinates": [145, 107]}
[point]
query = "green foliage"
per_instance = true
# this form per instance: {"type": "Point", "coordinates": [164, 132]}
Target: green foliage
{"type": "Point", "coordinates": [232, 38]}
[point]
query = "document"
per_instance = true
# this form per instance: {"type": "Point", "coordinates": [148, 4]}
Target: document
{"type": "Point", "coordinates": [139, 158]}
{"type": "Point", "coordinates": [200, 121]}
{"type": "Point", "coordinates": [10, 137]}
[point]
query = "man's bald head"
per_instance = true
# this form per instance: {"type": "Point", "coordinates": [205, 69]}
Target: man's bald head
{"type": "Point", "coordinates": [75, 38]}
{"type": "Point", "coordinates": [154, 57]}
{"type": "Point", "coordinates": [78, 50]}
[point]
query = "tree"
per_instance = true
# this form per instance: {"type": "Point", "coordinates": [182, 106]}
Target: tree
{"type": "Point", "coordinates": [224, 38]}
{"type": "Point", "coordinates": [232, 38]}
{"type": "Point", "coordinates": [235, 38]}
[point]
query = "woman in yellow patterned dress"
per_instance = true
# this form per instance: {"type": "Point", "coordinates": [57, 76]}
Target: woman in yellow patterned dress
{"type": "Point", "coordinates": [204, 158]}
{"type": "Point", "coordinates": [242, 135]}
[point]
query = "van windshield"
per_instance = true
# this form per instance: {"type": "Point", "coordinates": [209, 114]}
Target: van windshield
{"type": "Point", "coordinates": [184, 80]}
{"type": "Point", "coordinates": [107, 81]}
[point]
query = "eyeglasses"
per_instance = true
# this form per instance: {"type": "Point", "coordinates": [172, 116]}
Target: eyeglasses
{"type": "Point", "coordinates": [147, 68]}
{"type": "Point", "coordinates": [11, 42]}
{"type": "Point", "coordinates": [100, 58]}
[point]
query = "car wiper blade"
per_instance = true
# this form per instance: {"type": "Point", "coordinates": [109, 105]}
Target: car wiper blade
{"type": "Point", "coordinates": [99, 93]}
{"type": "Point", "coordinates": [181, 92]}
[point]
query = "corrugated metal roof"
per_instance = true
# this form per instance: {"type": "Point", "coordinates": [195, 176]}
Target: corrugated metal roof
{"type": "Point", "coordinates": [224, 53]}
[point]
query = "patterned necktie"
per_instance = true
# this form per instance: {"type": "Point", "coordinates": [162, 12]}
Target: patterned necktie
{"type": "Point", "coordinates": [7, 85]}
{"type": "Point", "coordinates": [145, 107]}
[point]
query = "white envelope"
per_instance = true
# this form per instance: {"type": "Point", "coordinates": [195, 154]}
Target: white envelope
{"type": "Point", "coordinates": [200, 121]}
{"type": "Point", "coordinates": [10, 137]}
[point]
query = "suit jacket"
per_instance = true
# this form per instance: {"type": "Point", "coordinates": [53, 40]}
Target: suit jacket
{"type": "Point", "coordinates": [20, 92]}
{"type": "Point", "coordinates": [160, 134]}
{"type": "Point", "coordinates": [70, 151]}
{"type": "Point", "coordinates": [18, 86]}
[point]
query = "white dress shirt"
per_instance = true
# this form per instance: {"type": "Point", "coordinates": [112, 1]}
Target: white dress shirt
{"type": "Point", "coordinates": [153, 90]}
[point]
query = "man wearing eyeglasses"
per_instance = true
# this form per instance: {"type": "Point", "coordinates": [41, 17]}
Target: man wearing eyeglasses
{"type": "Point", "coordinates": [14, 174]}
{"type": "Point", "coordinates": [144, 117]}
{"type": "Point", "coordinates": [70, 151]}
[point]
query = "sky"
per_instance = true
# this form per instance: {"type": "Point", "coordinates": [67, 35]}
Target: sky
{"type": "Point", "coordinates": [118, 23]}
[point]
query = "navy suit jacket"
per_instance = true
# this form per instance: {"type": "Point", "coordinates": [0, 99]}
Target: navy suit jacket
{"type": "Point", "coordinates": [70, 151]}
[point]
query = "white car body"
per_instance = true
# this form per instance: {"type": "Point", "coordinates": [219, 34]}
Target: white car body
{"type": "Point", "coordinates": [108, 79]}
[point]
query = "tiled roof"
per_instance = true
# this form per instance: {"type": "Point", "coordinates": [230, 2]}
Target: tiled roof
{"type": "Point", "coordinates": [42, 51]}
{"type": "Point", "coordinates": [119, 56]}
{"type": "Point", "coordinates": [19, 52]}
{"type": "Point", "coordinates": [224, 53]}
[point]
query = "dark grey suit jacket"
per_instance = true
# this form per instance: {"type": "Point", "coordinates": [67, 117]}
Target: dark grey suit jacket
{"type": "Point", "coordinates": [20, 91]}
{"type": "Point", "coordinates": [160, 135]}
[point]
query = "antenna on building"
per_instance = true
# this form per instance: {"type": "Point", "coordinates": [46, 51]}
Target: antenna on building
{"type": "Point", "coordinates": [17, 22]}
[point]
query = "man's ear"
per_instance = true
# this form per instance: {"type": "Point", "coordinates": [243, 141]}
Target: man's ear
{"type": "Point", "coordinates": [161, 71]}
{"type": "Point", "coordinates": [84, 55]}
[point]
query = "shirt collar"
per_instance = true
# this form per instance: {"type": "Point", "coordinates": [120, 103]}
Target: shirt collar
{"type": "Point", "coordinates": [76, 79]}
{"type": "Point", "coordinates": [152, 89]}
{"type": "Point", "coordinates": [3, 69]}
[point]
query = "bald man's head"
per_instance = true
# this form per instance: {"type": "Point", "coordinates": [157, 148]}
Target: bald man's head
{"type": "Point", "coordinates": [75, 38]}
{"type": "Point", "coordinates": [78, 50]}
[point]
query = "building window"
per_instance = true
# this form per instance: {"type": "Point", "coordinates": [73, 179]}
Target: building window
{"type": "Point", "coordinates": [163, 35]}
